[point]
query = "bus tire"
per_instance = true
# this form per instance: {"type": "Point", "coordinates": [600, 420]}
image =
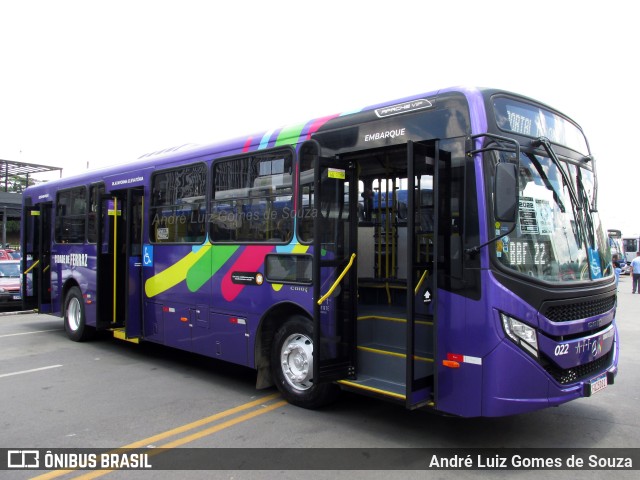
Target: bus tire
{"type": "Point", "coordinates": [74, 317]}
{"type": "Point", "coordinates": [292, 365]}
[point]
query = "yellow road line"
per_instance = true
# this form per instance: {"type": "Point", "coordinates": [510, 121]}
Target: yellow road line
{"type": "Point", "coordinates": [222, 426]}
{"type": "Point", "coordinates": [185, 428]}
{"type": "Point", "coordinates": [192, 437]}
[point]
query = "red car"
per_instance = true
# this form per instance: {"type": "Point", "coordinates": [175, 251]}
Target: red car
{"type": "Point", "coordinates": [7, 254]}
{"type": "Point", "coordinates": [10, 294]}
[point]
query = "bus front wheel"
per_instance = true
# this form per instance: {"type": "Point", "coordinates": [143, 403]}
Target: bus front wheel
{"type": "Point", "coordinates": [74, 316]}
{"type": "Point", "coordinates": [292, 365]}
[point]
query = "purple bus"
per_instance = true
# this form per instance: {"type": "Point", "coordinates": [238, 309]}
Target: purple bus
{"type": "Point", "coordinates": [442, 251]}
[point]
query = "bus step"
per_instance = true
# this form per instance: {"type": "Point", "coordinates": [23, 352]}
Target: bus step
{"type": "Point", "coordinates": [389, 363]}
{"type": "Point", "coordinates": [120, 334]}
{"type": "Point", "coordinates": [376, 385]}
{"type": "Point", "coordinates": [392, 331]}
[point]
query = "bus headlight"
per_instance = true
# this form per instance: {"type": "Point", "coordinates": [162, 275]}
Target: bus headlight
{"type": "Point", "coordinates": [521, 334]}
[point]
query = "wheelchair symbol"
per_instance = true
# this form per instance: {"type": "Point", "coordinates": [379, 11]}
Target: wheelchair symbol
{"type": "Point", "coordinates": [147, 256]}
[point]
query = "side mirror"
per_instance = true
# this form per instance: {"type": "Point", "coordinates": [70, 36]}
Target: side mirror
{"type": "Point", "coordinates": [505, 192]}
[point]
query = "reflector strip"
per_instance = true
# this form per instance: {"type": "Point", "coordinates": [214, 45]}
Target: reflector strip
{"type": "Point", "coordinates": [454, 357]}
{"type": "Point", "coordinates": [472, 360]}
{"type": "Point", "coordinates": [457, 357]}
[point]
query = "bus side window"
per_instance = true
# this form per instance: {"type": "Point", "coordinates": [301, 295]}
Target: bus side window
{"type": "Point", "coordinates": [252, 199]}
{"type": "Point", "coordinates": [70, 215]}
{"type": "Point", "coordinates": [178, 205]}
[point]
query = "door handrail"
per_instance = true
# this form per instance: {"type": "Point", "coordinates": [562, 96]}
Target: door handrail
{"type": "Point", "coordinates": [31, 267]}
{"type": "Point", "coordinates": [417, 289]}
{"type": "Point", "coordinates": [338, 280]}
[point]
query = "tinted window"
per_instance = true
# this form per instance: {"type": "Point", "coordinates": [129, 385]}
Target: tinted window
{"type": "Point", "coordinates": [252, 198]}
{"type": "Point", "coordinates": [178, 206]}
{"type": "Point", "coordinates": [71, 209]}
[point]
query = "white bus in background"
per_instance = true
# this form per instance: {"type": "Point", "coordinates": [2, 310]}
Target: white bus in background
{"type": "Point", "coordinates": [615, 244]}
{"type": "Point", "coordinates": [630, 246]}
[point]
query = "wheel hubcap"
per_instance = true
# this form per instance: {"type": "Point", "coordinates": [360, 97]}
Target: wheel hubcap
{"type": "Point", "coordinates": [296, 358]}
{"type": "Point", "coordinates": [73, 314]}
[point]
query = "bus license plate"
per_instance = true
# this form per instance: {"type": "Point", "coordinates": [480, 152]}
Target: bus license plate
{"type": "Point", "coordinates": [599, 383]}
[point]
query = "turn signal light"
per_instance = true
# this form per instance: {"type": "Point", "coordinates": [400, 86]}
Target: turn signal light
{"type": "Point", "coordinates": [451, 364]}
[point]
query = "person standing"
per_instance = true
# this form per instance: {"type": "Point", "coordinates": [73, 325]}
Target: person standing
{"type": "Point", "coordinates": [635, 272]}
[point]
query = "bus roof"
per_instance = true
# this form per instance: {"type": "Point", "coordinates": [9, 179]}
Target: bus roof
{"type": "Point", "coordinates": [283, 136]}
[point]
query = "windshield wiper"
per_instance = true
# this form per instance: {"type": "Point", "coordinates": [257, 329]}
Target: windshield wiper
{"type": "Point", "coordinates": [544, 142]}
{"type": "Point", "coordinates": [583, 218]}
{"type": "Point", "coordinates": [587, 214]}
{"type": "Point", "coordinates": [589, 158]}
{"type": "Point", "coordinates": [593, 206]}
{"type": "Point", "coordinates": [547, 182]}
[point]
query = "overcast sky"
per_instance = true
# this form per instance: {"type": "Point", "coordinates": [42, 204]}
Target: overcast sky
{"type": "Point", "coordinates": [95, 83]}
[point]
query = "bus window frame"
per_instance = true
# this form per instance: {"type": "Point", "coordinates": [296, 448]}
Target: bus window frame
{"type": "Point", "coordinates": [285, 150]}
{"type": "Point", "coordinates": [152, 208]}
{"type": "Point", "coordinates": [101, 188]}
{"type": "Point", "coordinates": [298, 281]}
{"type": "Point", "coordinates": [59, 218]}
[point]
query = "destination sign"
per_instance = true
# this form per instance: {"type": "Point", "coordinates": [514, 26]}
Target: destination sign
{"type": "Point", "coordinates": [533, 121]}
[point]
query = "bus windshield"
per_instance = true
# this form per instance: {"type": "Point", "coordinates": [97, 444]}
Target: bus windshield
{"type": "Point", "coordinates": [555, 239]}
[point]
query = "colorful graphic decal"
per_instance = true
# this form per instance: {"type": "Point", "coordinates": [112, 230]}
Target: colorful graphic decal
{"type": "Point", "coordinates": [175, 274]}
{"type": "Point", "coordinates": [213, 260]}
{"type": "Point", "coordinates": [249, 261]}
{"type": "Point", "coordinates": [316, 124]}
{"type": "Point", "coordinates": [203, 262]}
{"type": "Point", "coordinates": [200, 265]}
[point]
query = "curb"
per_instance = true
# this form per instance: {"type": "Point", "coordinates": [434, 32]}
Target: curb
{"type": "Point", "coordinates": [21, 312]}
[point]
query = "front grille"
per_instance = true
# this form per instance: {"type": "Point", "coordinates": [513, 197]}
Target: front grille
{"type": "Point", "coordinates": [575, 374]}
{"type": "Point", "coordinates": [575, 311]}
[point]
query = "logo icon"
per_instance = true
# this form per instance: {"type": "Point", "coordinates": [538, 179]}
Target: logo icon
{"type": "Point", "coordinates": [23, 459]}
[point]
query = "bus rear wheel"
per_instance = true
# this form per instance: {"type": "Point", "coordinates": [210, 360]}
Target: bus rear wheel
{"type": "Point", "coordinates": [292, 365]}
{"type": "Point", "coordinates": [74, 317]}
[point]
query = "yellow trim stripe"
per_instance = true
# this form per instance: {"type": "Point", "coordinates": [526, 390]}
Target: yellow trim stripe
{"type": "Point", "coordinates": [393, 354]}
{"type": "Point", "coordinates": [382, 352]}
{"type": "Point", "coordinates": [393, 319]}
{"type": "Point", "coordinates": [380, 317]}
{"type": "Point", "coordinates": [372, 389]}
{"type": "Point", "coordinates": [120, 334]}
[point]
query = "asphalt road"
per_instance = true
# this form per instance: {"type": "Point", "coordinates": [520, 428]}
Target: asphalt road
{"type": "Point", "coordinates": [55, 393]}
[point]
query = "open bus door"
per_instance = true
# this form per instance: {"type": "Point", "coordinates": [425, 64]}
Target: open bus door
{"type": "Point", "coordinates": [334, 274]}
{"type": "Point", "coordinates": [397, 297]}
{"type": "Point", "coordinates": [422, 268]}
{"type": "Point", "coordinates": [36, 257]}
{"type": "Point", "coordinates": [120, 263]}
